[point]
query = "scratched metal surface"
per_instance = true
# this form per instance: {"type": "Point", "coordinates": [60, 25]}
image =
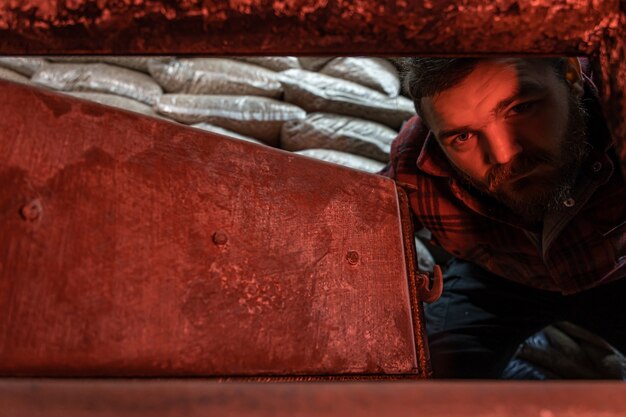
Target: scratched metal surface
{"type": "Point", "coordinates": [191, 398]}
{"type": "Point", "coordinates": [133, 246]}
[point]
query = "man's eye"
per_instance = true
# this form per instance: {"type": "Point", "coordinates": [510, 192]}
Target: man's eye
{"type": "Point", "coordinates": [461, 139]}
{"type": "Point", "coordinates": [523, 107]}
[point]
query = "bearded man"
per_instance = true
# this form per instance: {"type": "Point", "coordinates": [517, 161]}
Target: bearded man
{"type": "Point", "coordinates": [510, 166]}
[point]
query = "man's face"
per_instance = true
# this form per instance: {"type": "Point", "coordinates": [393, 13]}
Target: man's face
{"type": "Point", "coordinates": [514, 130]}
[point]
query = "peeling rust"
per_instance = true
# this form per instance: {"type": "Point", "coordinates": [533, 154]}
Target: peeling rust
{"type": "Point", "coordinates": [131, 272]}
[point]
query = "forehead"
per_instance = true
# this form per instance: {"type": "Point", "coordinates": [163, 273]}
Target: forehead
{"type": "Point", "coordinates": [490, 82]}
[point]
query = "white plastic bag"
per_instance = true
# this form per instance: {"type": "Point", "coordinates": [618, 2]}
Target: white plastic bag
{"type": "Point", "coordinates": [216, 76]}
{"type": "Point", "coordinates": [342, 158]}
{"type": "Point", "coordinates": [376, 73]}
{"type": "Point", "coordinates": [102, 78]}
{"type": "Point", "coordinates": [341, 133]}
{"type": "Point", "coordinates": [317, 92]}
{"type": "Point", "coordinates": [258, 117]}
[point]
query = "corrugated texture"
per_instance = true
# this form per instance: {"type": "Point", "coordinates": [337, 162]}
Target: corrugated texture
{"type": "Point", "coordinates": [133, 246]}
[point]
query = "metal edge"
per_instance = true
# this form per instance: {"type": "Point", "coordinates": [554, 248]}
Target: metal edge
{"type": "Point", "coordinates": [414, 279]}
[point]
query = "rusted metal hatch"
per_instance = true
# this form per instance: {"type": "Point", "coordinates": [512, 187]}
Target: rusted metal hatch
{"type": "Point", "coordinates": [131, 246]}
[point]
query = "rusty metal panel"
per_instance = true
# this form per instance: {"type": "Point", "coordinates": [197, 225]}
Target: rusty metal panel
{"type": "Point", "coordinates": [122, 398]}
{"type": "Point", "coordinates": [302, 26]}
{"type": "Point", "coordinates": [131, 246]}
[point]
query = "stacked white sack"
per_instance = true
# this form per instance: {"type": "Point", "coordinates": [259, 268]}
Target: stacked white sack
{"type": "Point", "coordinates": [139, 63]}
{"type": "Point", "coordinates": [275, 63]}
{"type": "Point", "coordinates": [376, 73]}
{"type": "Point", "coordinates": [216, 76]}
{"type": "Point", "coordinates": [118, 101]}
{"type": "Point", "coordinates": [259, 117]}
{"type": "Point", "coordinates": [24, 65]}
{"type": "Point", "coordinates": [316, 92]}
{"type": "Point", "coordinates": [103, 78]}
{"type": "Point", "coordinates": [9, 75]}
{"type": "Point", "coordinates": [344, 158]}
{"type": "Point", "coordinates": [341, 133]}
{"type": "Point", "coordinates": [224, 132]}
{"type": "Point", "coordinates": [314, 63]}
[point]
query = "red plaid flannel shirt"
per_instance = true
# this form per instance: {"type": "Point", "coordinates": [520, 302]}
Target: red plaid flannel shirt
{"type": "Point", "coordinates": [579, 248]}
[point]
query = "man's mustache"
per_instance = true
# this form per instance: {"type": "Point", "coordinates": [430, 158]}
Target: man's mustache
{"type": "Point", "coordinates": [523, 163]}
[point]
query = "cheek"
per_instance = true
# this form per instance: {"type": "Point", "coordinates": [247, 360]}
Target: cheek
{"type": "Point", "coordinates": [471, 164]}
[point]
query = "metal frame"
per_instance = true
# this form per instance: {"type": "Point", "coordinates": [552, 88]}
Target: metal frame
{"type": "Point", "coordinates": [201, 397]}
{"type": "Point", "coordinates": [330, 27]}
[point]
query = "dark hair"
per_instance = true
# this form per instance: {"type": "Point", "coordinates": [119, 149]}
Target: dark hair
{"type": "Point", "coordinates": [424, 77]}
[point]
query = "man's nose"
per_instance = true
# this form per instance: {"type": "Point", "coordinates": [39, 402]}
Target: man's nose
{"type": "Point", "coordinates": [501, 145]}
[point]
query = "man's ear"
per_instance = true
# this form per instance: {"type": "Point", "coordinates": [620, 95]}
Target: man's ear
{"type": "Point", "coordinates": [574, 77]}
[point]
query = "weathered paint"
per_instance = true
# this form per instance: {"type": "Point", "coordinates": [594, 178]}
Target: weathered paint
{"type": "Point", "coordinates": [303, 26]}
{"type": "Point", "coordinates": [134, 246]}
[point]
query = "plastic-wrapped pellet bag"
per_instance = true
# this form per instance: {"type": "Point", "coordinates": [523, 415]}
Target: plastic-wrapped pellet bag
{"type": "Point", "coordinates": [341, 133]}
{"type": "Point", "coordinates": [316, 92]}
{"type": "Point", "coordinates": [83, 59]}
{"type": "Point", "coordinates": [259, 117]}
{"type": "Point", "coordinates": [24, 65]}
{"type": "Point", "coordinates": [139, 63]}
{"type": "Point", "coordinates": [314, 63]}
{"type": "Point", "coordinates": [342, 158]}
{"type": "Point", "coordinates": [103, 78]}
{"type": "Point", "coordinates": [7, 74]}
{"type": "Point", "coordinates": [275, 63]}
{"type": "Point", "coordinates": [376, 73]}
{"type": "Point", "coordinates": [224, 132]}
{"type": "Point", "coordinates": [117, 101]}
{"type": "Point", "coordinates": [216, 76]}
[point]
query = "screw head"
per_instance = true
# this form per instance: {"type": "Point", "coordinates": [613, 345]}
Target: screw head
{"type": "Point", "coordinates": [31, 211]}
{"type": "Point", "coordinates": [220, 238]}
{"type": "Point", "coordinates": [353, 257]}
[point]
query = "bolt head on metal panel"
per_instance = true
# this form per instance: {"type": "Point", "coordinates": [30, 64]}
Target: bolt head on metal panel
{"type": "Point", "coordinates": [353, 257]}
{"type": "Point", "coordinates": [32, 210]}
{"type": "Point", "coordinates": [220, 238]}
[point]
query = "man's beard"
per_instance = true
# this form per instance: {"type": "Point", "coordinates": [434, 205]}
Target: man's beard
{"type": "Point", "coordinates": [533, 196]}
